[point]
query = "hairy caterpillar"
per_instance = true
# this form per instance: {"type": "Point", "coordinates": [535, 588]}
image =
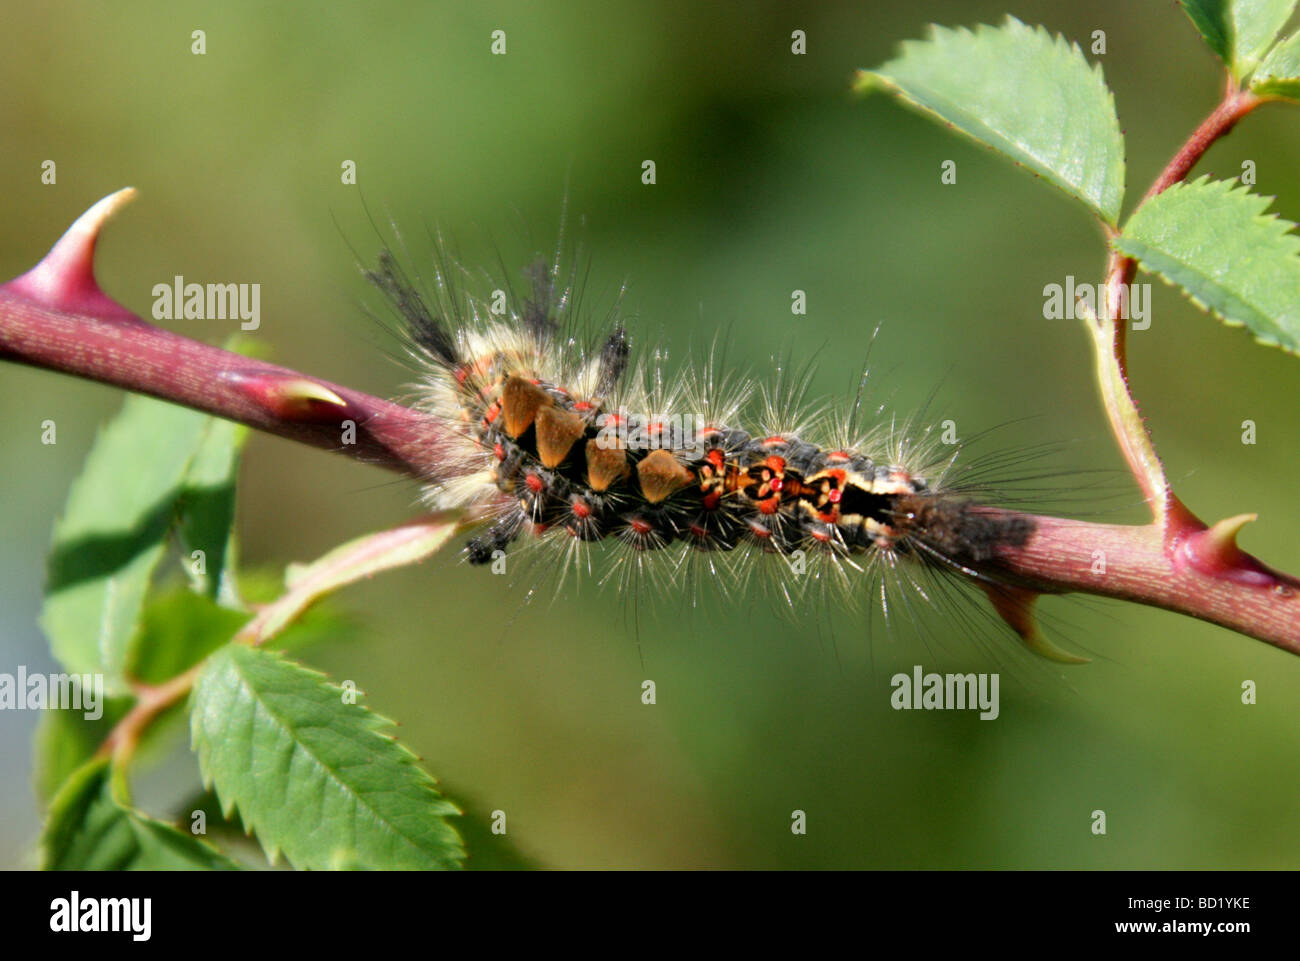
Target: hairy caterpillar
{"type": "Point", "coordinates": [563, 437]}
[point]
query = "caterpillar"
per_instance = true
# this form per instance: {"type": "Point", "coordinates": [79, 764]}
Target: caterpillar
{"type": "Point", "coordinates": [561, 435]}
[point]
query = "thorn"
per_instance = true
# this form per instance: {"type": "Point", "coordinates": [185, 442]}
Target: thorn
{"type": "Point", "coordinates": [1016, 607]}
{"type": "Point", "coordinates": [290, 396]}
{"type": "Point", "coordinates": [1214, 552]}
{"type": "Point", "coordinates": [65, 277]}
{"type": "Point", "coordinates": [1221, 539]}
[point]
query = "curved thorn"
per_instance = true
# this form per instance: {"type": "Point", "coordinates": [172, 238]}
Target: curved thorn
{"type": "Point", "coordinates": [65, 277]}
{"type": "Point", "coordinates": [1016, 606]}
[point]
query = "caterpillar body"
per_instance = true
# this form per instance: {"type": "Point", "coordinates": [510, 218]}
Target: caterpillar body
{"type": "Point", "coordinates": [563, 436]}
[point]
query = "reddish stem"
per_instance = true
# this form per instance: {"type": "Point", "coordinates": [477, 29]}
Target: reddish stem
{"type": "Point", "coordinates": [1137, 564]}
{"type": "Point", "coordinates": [141, 357]}
{"type": "Point", "coordinates": [1235, 105]}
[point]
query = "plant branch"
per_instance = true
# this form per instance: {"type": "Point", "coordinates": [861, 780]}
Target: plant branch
{"type": "Point", "coordinates": [55, 317]}
{"type": "Point", "coordinates": [1204, 574]}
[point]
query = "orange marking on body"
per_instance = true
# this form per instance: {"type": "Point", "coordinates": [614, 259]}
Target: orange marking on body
{"type": "Point", "coordinates": [775, 464]}
{"type": "Point", "coordinates": [770, 506]}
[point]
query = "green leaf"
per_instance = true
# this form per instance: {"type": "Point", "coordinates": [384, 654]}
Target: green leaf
{"type": "Point", "coordinates": [207, 510]}
{"type": "Point", "coordinates": [315, 777]}
{"type": "Point", "coordinates": [1023, 93]}
{"type": "Point", "coordinates": [1255, 26]}
{"type": "Point", "coordinates": [1213, 239]}
{"type": "Point", "coordinates": [1211, 19]}
{"type": "Point", "coordinates": [1239, 31]}
{"type": "Point", "coordinates": [178, 629]}
{"type": "Point", "coordinates": [1279, 74]}
{"type": "Point", "coordinates": [88, 829]}
{"type": "Point", "coordinates": [112, 534]}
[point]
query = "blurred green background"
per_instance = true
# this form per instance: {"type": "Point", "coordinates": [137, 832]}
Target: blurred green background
{"type": "Point", "coordinates": [771, 177]}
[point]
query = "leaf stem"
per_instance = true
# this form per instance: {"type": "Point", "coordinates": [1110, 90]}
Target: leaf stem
{"type": "Point", "coordinates": [1109, 329]}
{"type": "Point", "coordinates": [151, 701]}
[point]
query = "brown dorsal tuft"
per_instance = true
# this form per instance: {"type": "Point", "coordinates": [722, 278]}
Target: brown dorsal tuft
{"type": "Point", "coordinates": [557, 430]}
{"type": "Point", "coordinates": [606, 466]}
{"type": "Point", "coordinates": [662, 476]}
{"type": "Point", "coordinates": [520, 402]}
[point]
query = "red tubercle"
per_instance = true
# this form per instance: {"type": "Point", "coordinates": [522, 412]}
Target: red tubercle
{"type": "Point", "coordinates": [581, 509]}
{"type": "Point", "coordinates": [65, 277]}
{"type": "Point", "coordinates": [534, 483]}
{"type": "Point", "coordinates": [640, 526]}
